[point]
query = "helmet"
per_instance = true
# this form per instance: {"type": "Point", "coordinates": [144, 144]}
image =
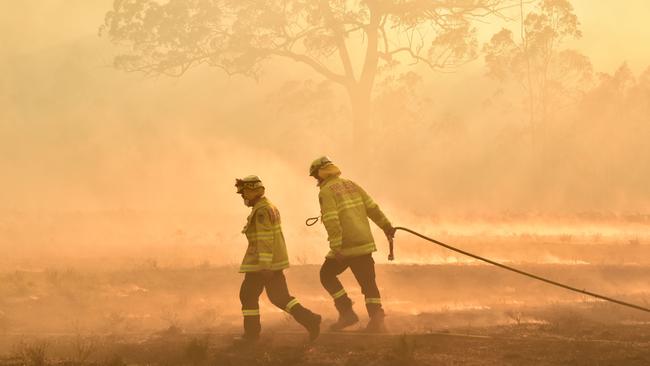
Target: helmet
{"type": "Point", "coordinates": [250, 182]}
{"type": "Point", "coordinates": [317, 164]}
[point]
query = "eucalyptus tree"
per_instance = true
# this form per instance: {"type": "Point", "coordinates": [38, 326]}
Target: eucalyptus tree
{"type": "Point", "coordinates": [344, 41]}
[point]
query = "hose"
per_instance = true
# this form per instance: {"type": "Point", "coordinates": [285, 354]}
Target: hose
{"type": "Point", "coordinates": [539, 278]}
{"type": "Point", "coordinates": [312, 221]}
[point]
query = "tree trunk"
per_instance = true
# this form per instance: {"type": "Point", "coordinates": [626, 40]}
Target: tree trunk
{"type": "Point", "coordinates": [361, 92]}
{"type": "Point", "coordinates": [360, 103]}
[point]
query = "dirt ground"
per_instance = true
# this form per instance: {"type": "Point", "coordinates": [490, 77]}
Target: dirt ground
{"type": "Point", "coordinates": [588, 344]}
{"type": "Point", "coordinates": [437, 315]}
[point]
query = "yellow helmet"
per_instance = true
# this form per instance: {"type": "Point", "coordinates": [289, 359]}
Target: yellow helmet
{"type": "Point", "coordinates": [250, 182]}
{"type": "Point", "coordinates": [321, 162]}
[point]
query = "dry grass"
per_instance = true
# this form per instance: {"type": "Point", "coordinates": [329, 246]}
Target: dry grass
{"type": "Point", "coordinates": [163, 316]}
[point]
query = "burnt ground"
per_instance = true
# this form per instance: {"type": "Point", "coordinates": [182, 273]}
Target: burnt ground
{"type": "Point", "coordinates": [589, 344]}
{"type": "Point", "coordinates": [437, 315]}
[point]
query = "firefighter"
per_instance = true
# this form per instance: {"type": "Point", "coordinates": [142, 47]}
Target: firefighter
{"type": "Point", "coordinates": [264, 262]}
{"type": "Point", "coordinates": [345, 209]}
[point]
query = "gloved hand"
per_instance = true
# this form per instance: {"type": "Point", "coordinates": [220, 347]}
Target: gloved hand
{"type": "Point", "coordinates": [390, 235]}
{"type": "Point", "coordinates": [390, 232]}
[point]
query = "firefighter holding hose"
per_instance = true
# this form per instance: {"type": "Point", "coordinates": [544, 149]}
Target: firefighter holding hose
{"type": "Point", "coordinates": [345, 209]}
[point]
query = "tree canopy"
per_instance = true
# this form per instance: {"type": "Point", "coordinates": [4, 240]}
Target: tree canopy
{"type": "Point", "coordinates": [344, 41]}
{"type": "Point", "coordinates": [551, 76]}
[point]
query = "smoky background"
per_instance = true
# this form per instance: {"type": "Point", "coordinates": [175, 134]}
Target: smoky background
{"type": "Point", "coordinates": [103, 168]}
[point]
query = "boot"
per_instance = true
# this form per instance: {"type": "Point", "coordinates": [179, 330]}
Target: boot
{"type": "Point", "coordinates": [307, 319]}
{"type": "Point", "coordinates": [376, 323]}
{"type": "Point", "coordinates": [314, 327]}
{"type": "Point", "coordinates": [347, 316]}
{"type": "Point", "coordinates": [246, 339]}
{"type": "Point", "coordinates": [252, 328]}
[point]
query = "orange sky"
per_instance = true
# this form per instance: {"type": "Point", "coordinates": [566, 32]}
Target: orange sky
{"type": "Point", "coordinates": [609, 36]}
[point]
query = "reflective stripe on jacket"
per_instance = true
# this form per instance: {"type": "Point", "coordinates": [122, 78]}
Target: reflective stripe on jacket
{"type": "Point", "coordinates": [266, 246]}
{"type": "Point", "coordinates": [345, 209]}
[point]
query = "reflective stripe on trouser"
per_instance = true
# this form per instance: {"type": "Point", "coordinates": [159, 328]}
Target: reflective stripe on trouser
{"type": "Point", "coordinates": [290, 305]}
{"type": "Point", "coordinates": [251, 289]}
{"type": "Point", "coordinates": [252, 325]}
{"type": "Point", "coordinates": [338, 294]}
{"type": "Point", "coordinates": [276, 289]}
{"type": "Point", "coordinates": [251, 312]}
{"type": "Point", "coordinates": [373, 306]}
{"type": "Point", "coordinates": [363, 268]}
{"type": "Point", "coordinates": [331, 283]}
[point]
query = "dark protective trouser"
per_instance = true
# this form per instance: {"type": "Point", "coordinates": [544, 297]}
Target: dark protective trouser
{"type": "Point", "coordinates": [363, 268]}
{"type": "Point", "coordinates": [276, 289]}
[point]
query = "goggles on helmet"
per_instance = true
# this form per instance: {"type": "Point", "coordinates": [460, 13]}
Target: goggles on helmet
{"type": "Point", "coordinates": [249, 182]}
{"type": "Point", "coordinates": [317, 164]}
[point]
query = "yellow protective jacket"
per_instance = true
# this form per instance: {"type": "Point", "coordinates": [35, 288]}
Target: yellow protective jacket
{"type": "Point", "coordinates": [266, 246]}
{"type": "Point", "coordinates": [345, 208]}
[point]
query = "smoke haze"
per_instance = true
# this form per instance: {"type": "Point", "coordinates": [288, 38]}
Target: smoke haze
{"type": "Point", "coordinates": [98, 162]}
